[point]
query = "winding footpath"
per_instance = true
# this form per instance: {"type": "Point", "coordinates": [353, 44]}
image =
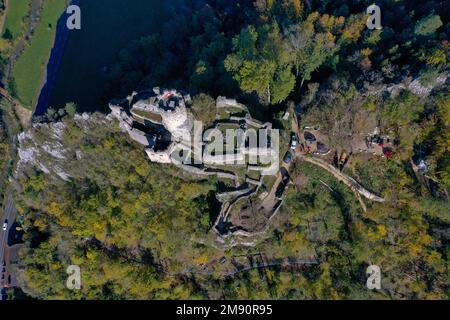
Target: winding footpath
{"type": "Point", "coordinates": [350, 182]}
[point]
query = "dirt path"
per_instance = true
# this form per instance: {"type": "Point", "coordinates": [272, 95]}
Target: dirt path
{"type": "Point", "coordinates": [3, 16]}
{"type": "Point", "coordinates": [208, 270]}
{"type": "Point", "coordinates": [270, 201]}
{"type": "Point", "coordinates": [350, 182]}
{"type": "Point", "coordinates": [357, 188]}
{"type": "Point", "coordinates": [35, 10]}
{"type": "Point", "coordinates": [273, 201]}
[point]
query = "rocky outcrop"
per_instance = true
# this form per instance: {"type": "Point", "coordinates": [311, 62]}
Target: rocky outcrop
{"type": "Point", "coordinates": [415, 86]}
{"type": "Point", "coordinates": [50, 155]}
{"type": "Point", "coordinates": [252, 145]}
{"type": "Point", "coordinates": [32, 153]}
{"type": "Point", "coordinates": [167, 108]}
{"type": "Point", "coordinates": [350, 182]}
{"type": "Point", "coordinates": [227, 104]}
{"type": "Point", "coordinates": [170, 106]}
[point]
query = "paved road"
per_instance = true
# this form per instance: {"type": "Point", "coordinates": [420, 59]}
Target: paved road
{"type": "Point", "coordinates": [9, 213]}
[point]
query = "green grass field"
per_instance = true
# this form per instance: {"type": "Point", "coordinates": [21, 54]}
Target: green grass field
{"type": "Point", "coordinates": [16, 12]}
{"type": "Point", "coordinates": [28, 72]}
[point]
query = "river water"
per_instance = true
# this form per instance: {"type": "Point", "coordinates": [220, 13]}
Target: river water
{"type": "Point", "coordinates": [107, 26]}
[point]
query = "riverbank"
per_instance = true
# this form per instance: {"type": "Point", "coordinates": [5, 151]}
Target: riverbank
{"type": "Point", "coordinates": [48, 83]}
{"type": "Point", "coordinates": [28, 71]}
{"type": "Point", "coordinates": [108, 26]}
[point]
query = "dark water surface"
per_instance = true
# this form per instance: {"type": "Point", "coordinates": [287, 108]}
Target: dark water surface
{"type": "Point", "coordinates": [107, 26]}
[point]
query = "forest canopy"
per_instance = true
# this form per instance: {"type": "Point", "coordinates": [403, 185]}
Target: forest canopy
{"type": "Point", "coordinates": [142, 231]}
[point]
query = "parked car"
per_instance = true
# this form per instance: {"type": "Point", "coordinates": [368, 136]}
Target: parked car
{"type": "Point", "coordinates": [309, 137]}
{"type": "Point", "coordinates": [5, 225]}
{"type": "Point", "coordinates": [287, 157]}
{"type": "Point", "coordinates": [322, 149]}
{"type": "Point", "coordinates": [3, 291]}
{"type": "Point", "coordinates": [294, 141]}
